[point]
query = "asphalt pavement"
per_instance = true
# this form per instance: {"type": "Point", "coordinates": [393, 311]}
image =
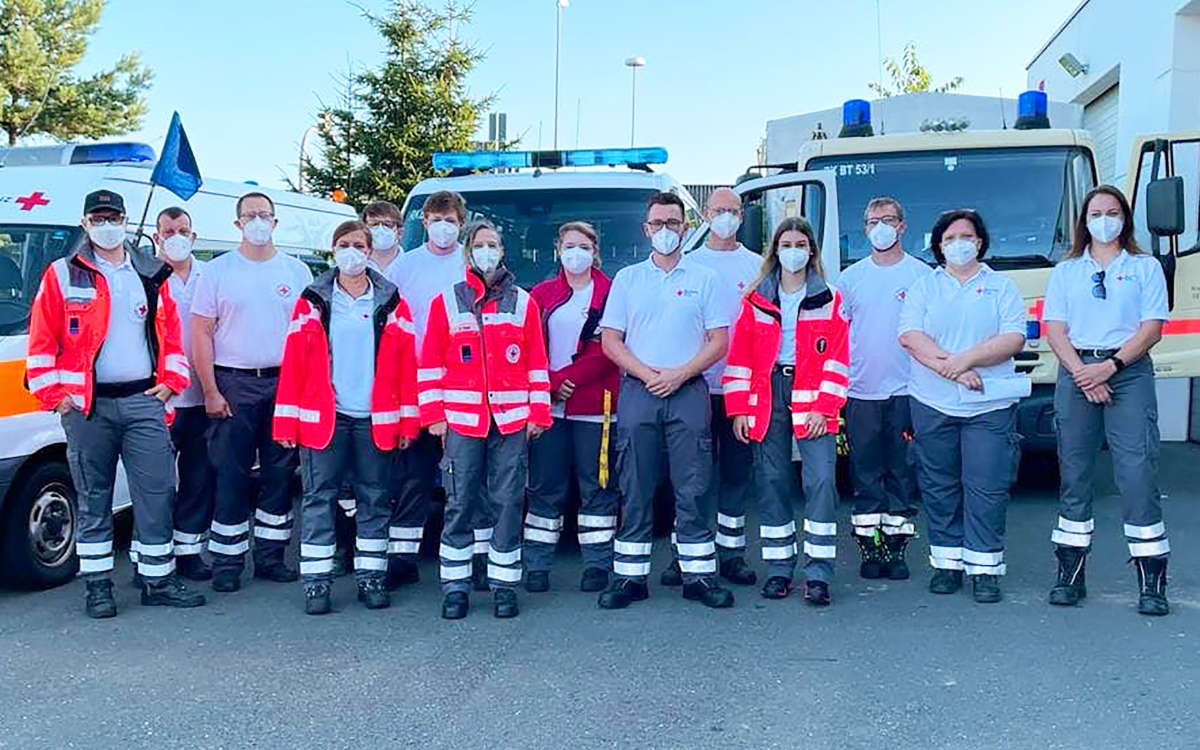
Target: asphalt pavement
{"type": "Point", "coordinates": [887, 666]}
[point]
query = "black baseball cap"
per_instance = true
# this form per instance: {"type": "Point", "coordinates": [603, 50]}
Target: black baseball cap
{"type": "Point", "coordinates": [103, 200]}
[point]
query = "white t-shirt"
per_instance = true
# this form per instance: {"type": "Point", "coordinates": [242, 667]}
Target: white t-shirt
{"type": "Point", "coordinates": [352, 350]}
{"type": "Point", "coordinates": [125, 354]}
{"type": "Point", "coordinates": [420, 276]}
{"type": "Point", "coordinates": [391, 271]}
{"type": "Point", "coordinates": [665, 314]}
{"type": "Point", "coordinates": [736, 271]}
{"type": "Point", "coordinates": [873, 296]}
{"type": "Point", "coordinates": [183, 293]}
{"type": "Point", "coordinates": [564, 327]}
{"type": "Point", "coordinates": [252, 303]}
{"type": "Point", "coordinates": [789, 309]}
{"type": "Point", "coordinates": [1135, 290]}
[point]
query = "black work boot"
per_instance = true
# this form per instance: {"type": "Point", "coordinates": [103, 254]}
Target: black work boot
{"type": "Point", "coordinates": [895, 567]}
{"type": "Point", "coordinates": [504, 603]}
{"type": "Point", "coordinates": [593, 579]}
{"type": "Point", "coordinates": [275, 571]}
{"type": "Point", "coordinates": [226, 581]}
{"type": "Point", "coordinates": [816, 593]}
{"type": "Point", "coordinates": [1152, 585]}
{"type": "Point", "coordinates": [537, 581]}
{"type": "Point", "coordinates": [621, 593]}
{"type": "Point", "coordinates": [479, 574]}
{"type": "Point", "coordinates": [945, 581]}
{"type": "Point", "coordinates": [672, 576]}
{"type": "Point", "coordinates": [735, 570]}
{"type": "Point", "coordinates": [871, 566]}
{"type": "Point", "coordinates": [455, 605]}
{"type": "Point", "coordinates": [777, 587]}
{"type": "Point", "coordinates": [193, 568]}
{"type": "Point", "coordinates": [170, 592]}
{"type": "Point", "coordinates": [1070, 587]}
{"type": "Point", "coordinates": [401, 572]}
{"type": "Point", "coordinates": [985, 588]}
{"type": "Point", "coordinates": [372, 593]}
{"type": "Point", "coordinates": [708, 592]}
{"type": "Point", "coordinates": [317, 599]}
{"type": "Point", "coordinates": [99, 599]}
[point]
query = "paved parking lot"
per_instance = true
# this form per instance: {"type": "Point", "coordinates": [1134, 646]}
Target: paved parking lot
{"type": "Point", "coordinates": [888, 665]}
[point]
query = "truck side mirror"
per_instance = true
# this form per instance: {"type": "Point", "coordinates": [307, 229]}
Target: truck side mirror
{"type": "Point", "coordinates": [750, 233]}
{"type": "Point", "coordinates": [1164, 207]}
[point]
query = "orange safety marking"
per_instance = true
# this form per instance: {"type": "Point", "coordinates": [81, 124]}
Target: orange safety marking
{"type": "Point", "coordinates": [14, 398]}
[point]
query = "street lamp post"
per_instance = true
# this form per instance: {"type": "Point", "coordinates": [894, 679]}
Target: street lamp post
{"type": "Point", "coordinates": [558, 8]}
{"type": "Point", "coordinates": [633, 63]}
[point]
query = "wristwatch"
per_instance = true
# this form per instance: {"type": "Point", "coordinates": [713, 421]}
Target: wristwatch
{"type": "Point", "coordinates": [1117, 363]}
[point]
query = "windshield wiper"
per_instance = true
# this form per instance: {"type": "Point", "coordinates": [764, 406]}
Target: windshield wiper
{"type": "Point", "coordinates": [1018, 261]}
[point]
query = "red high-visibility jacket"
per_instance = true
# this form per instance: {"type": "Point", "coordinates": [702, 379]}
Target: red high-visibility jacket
{"type": "Point", "coordinates": [69, 322]}
{"type": "Point", "coordinates": [305, 410]}
{"type": "Point", "coordinates": [822, 369]}
{"type": "Point", "coordinates": [483, 358]}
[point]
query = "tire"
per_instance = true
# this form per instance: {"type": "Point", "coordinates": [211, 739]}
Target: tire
{"type": "Point", "coordinates": [37, 535]}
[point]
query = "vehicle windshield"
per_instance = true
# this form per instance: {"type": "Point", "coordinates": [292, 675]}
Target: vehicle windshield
{"type": "Point", "coordinates": [1028, 197]}
{"type": "Point", "coordinates": [529, 221]}
{"type": "Point", "coordinates": [25, 251]}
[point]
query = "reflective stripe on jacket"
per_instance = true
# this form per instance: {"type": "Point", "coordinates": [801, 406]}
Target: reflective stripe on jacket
{"type": "Point", "coordinates": [483, 358]}
{"type": "Point", "coordinates": [305, 405]}
{"type": "Point", "coordinates": [822, 369]}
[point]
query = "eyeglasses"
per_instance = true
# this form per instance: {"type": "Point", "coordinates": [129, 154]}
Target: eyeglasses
{"type": "Point", "coordinates": [891, 221]}
{"type": "Point", "coordinates": [383, 223]}
{"type": "Point", "coordinates": [1098, 291]}
{"type": "Point", "coordinates": [100, 221]}
{"type": "Point", "coordinates": [673, 224]}
{"type": "Point", "coordinates": [267, 215]}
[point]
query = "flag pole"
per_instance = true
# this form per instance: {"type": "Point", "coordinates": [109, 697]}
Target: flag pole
{"type": "Point", "coordinates": [137, 241]}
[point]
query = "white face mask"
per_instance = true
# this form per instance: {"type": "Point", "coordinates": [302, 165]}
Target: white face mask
{"type": "Point", "coordinates": [725, 224]}
{"type": "Point", "coordinates": [350, 260]}
{"type": "Point", "coordinates": [882, 236]}
{"type": "Point", "coordinates": [258, 231]}
{"type": "Point", "coordinates": [177, 247]}
{"type": "Point", "coordinates": [793, 258]}
{"type": "Point", "coordinates": [107, 236]}
{"type": "Point", "coordinates": [485, 258]}
{"type": "Point", "coordinates": [383, 237]}
{"type": "Point", "coordinates": [1105, 228]}
{"type": "Point", "coordinates": [443, 233]}
{"type": "Point", "coordinates": [576, 259]}
{"type": "Point", "coordinates": [665, 241]}
{"type": "Point", "coordinates": [959, 252]}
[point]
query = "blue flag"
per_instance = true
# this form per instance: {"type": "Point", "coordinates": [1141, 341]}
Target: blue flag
{"type": "Point", "coordinates": [177, 170]}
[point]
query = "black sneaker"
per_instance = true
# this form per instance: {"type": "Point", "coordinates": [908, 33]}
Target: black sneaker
{"type": "Point", "coordinates": [1071, 586]}
{"type": "Point", "coordinates": [226, 581]}
{"type": "Point", "coordinates": [621, 593]}
{"type": "Point", "coordinates": [504, 603]}
{"type": "Point", "coordinates": [672, 576]}
{"type": "Point", "coordinates": [170, 592]}
{"type": "Point", "coordinates": [986, 588]}
{"type": "Point", "coordinates": [869, 550]}
{"type": "Point", "coordinates": [479, 574]}
{"type": "Point", "coordinates": [317, 600]}
{"type": "Point", "coordinates": [372, 593]}
{"type": "Point", "coordinates": [455, 605]}
{"type": "Point", "coordinates": [708, 592]}
{"type": "Point", "coordinates": [816, 593]}
{"type": "Point", "coordinates": [777, 587]}
{"type": "Point", "coordinates": [593, 579]}
{"type": "Point", "coordinates": [275, 571]}
{"type": "Point", "coordinates": [1152, 585]}
{"type": "Point", "coordinates": [945, 581]}
{"type": "Point", "coordinates": [401, 572]}
{"type": "Point", "coordinates": [895, 567]}
{"type": "Point", "coordinates": [537, 581]}
{"type": "Point", "coordinates": [193, 568]}
{"type": "Point", "coordinates": [735, 570]}
{"type": "Point", "coordinates": [99, 600]}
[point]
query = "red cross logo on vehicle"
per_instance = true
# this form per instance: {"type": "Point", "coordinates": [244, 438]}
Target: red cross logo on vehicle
{"type": "Point", "coordinates": [31, 201]}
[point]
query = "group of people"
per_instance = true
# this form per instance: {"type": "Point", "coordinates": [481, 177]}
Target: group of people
{"type": "Point", "coordinates": [728, 365]}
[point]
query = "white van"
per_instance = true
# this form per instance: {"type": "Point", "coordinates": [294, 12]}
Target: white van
{"type": "Point", "coordinates": [41, 202]}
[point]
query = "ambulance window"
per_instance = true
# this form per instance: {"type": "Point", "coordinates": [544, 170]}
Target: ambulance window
{"type": "Point", "coordinates": [25, 251]}
{"type": "Point", "coordinates": [1187, 165]}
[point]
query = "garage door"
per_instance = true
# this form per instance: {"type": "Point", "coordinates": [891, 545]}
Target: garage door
{"type": "Point", "coordinates": [1100, 117]}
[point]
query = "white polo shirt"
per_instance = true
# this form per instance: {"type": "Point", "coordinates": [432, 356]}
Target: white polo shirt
{"type": "Point", "coordinates": [736, 270]}
{"type": "Point", "coordinates": [352, 350]}
{"type": "Point", "coordinates": [1136, 291]}
{"type": "Point", "coordinates": [665, 314]}
{"type": "Point", "coordinates": [252, 303]}
{"type": "Point", "coordinates": [421, 275]}
{"type": "Point", "coordinates": [957, 317]}
{"type": "Point", "coordinates": [183, 293]}
{"type": "Point", "coordinates": [873, 295]}
{"type": "Point", "coordinates": [391, 271]}
{"type": "Point", "coordinates": [125, 354]}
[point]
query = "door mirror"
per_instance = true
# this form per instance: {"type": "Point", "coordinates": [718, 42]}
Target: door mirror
{"type": "Point", "coordinates": [750, 233]}
{"type": "Point", "coordinates": [1164, 207]}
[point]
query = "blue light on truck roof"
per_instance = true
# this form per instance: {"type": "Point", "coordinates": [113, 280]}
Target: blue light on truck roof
{"type": "Point", "coordinates": [107, 153]}
{"type": "Point", "coordinates": [1032, 110]}
{"type": "Point", "coordinates": [856, 112]}
{"type": "Point", "coordinates": [589, 157]}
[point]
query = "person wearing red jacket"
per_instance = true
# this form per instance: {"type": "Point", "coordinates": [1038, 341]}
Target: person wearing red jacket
{"type": "Point", "coordinates": [347, 397]}
{"type": "Point", "coordinates": [785, 382]}
{"type": "Point", "coordinates": [105, 353]}
{"type": "Point", "coordinates": [483, 386]}
{"type": "Point", "coordinates": [581, 443]}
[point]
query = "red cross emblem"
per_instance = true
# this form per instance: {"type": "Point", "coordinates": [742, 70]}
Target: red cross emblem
{"type": "Point", "coordinates": [283, 290]}
{"type": "Point", "coordinates": [34, 199]}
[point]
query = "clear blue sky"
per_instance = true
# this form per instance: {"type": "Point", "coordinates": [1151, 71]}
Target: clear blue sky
{"type": "Point", "coordinates": [247, 76]}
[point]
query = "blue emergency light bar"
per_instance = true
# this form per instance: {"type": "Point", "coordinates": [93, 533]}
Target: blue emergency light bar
{"type": "Point", "coordinates": [472, 161]}
{"type": "Point", "coordinates": [108, 153]}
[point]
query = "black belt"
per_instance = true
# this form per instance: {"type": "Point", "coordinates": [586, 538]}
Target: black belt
{"type": "Point", "coordinates": [123, 389]}
{"type": "Point", "coordinates": [257, 372]}
{"type": "Point", "coordinates": [1099, 353]}
{"type": "Point", "coordinates": [786, 370]}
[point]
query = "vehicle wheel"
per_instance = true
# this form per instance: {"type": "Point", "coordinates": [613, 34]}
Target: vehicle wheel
{"type": "Point", "coordinates": [37, 538]}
